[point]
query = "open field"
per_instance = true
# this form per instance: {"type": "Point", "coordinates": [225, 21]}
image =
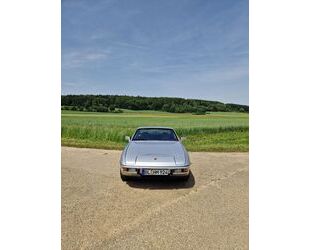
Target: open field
{"type": "Point", "coordinates": [227, 132]}
{"type": "Point", "coordinates": [99, 211]}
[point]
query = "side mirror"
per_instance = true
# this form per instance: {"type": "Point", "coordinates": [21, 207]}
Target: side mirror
{"type": "Point", "coordinates": [183, 138]}
{"type": "Point", "coordinates": [127, 138]}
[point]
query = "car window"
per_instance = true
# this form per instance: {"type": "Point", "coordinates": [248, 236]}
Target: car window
{"type": "Point", "coordinates": [151, 134]}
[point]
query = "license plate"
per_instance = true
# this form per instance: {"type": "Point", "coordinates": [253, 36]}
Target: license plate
{"type": "Point", "coordinates": [155, 172]}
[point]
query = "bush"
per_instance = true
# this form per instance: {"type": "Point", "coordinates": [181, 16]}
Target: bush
{"type": "Point", "coordinates": [199, 113]}
{"type": "Point", "coordinates": [112, 108]}
{"type": "Point", "coordinates": [102, 109]}
{"type": "Point", "coordinates": [118, 111]}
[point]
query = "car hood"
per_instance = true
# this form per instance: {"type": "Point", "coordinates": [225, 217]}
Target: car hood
{"type": "Point", "coordinates": [155, 153]}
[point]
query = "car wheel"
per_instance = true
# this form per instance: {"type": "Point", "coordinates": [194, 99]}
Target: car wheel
{"type": "Point", "coordinates": [123, 177]}
{"type": "Point", "coordinates": [185, 178]}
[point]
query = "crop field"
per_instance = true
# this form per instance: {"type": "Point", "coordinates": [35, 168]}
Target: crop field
{"type": "Point", "coordinates": [217, 131]}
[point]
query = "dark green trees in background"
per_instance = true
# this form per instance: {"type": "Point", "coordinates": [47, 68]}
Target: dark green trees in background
{"type": "Point", "coordinates": [114, 103]}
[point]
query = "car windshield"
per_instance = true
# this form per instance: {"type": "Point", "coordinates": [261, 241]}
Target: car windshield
{"type": "Point", "coordinates": [155, 134]}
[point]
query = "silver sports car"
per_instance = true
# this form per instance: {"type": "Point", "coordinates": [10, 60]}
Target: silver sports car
{"type": "Point", "coordinates": [154, 151]}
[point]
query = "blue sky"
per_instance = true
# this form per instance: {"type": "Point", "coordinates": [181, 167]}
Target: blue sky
{"type": "Point", "coordinates": [182, 48]}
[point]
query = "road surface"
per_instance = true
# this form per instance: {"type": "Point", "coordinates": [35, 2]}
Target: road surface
{"type": "Point", "coordinates": [99, 211]}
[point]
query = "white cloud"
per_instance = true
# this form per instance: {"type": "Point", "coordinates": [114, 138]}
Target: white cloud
{"type": "Point", "coordinates": [77, 59]}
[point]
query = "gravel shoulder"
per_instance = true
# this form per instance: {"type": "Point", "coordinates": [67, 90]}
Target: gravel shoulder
{"type": "Point", "coordinates": [99, 211]}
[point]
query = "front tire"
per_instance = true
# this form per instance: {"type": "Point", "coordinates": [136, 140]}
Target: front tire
{"type": "Point", "coordinates": [123, 177]}
{"type": "Point", "coordinates": [185, 178]}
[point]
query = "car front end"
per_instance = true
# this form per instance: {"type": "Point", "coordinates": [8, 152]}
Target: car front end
{"type": "Point", "coordinates": [131, 171]}
{"type": "Point", "coordinates": [154, 158]}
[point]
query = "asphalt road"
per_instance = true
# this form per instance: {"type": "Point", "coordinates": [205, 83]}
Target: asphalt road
{"type": "Point", "coordinates": [99, 211]}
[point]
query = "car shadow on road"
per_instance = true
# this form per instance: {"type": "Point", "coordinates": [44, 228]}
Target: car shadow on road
{"type": "Point", "coordinates": [157, 182]}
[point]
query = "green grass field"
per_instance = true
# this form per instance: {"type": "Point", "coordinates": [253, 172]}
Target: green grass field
{"type": "Point", "coordinates": [222, 132]}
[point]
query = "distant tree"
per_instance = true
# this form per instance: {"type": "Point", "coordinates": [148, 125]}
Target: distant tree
{"type": "Point", "coordinates": [166, 107]}
{"type": "Point", "coordinates": [95, 102]}
{"type": "Point", "coordinates": [112, 107]}
{"type": "Point", "coordinates": [169, 104]}
{"type": "Point", "coordinates": [220, 107]}
{"type": "Point", "coordinates": [200, 110]}
{"type": "Point", "coordinates": [180, 109]}
{"type": "Point", "coordinates": [65, 108]}
{"type": "Point", "coordinates": [172, 108]}
{"type": "Point", "coordinates": [88, 103]}
{"type": "Point", "coordinates": [102, 109]}
{"type": "Point", "coordinates": [199, 113]}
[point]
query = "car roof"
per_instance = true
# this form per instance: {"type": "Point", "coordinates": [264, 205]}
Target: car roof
{"type": "Point", "coordinates": [155, 127]}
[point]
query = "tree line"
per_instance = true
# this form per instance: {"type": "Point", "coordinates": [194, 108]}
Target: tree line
{"type": "Point", "coordinates": [114, 103]}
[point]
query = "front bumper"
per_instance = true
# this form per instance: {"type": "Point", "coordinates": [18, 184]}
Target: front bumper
{"type": "Point", "coordinates": [136, 171]}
